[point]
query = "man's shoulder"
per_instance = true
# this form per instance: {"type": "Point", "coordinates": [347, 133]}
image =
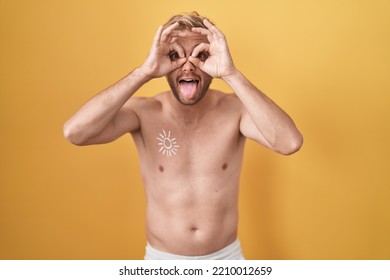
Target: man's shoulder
{"type": "Point", "coordinates": [150, 102]}
{"type": "Point", "coordinates": [221, 94]}
{"type": "Point", "coordinates": [223, 98]}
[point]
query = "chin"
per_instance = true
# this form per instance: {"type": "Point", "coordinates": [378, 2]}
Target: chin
{"type": "Point", "coordinates": [201, 93]}
{"type": "Point", "coordinates": [186, 101]}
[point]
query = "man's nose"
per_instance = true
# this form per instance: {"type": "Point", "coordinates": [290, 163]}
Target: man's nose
{"type": "Point", "coordinates": [188, 66]}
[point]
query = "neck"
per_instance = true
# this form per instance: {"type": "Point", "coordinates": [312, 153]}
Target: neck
{"type": "Point", "coordinates": [190, 114]}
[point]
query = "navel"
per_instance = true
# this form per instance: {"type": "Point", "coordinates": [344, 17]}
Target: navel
{"type": "Point", "coordinates": [194, 229]}
{"type": "Point", "coordinates": [161, 168]}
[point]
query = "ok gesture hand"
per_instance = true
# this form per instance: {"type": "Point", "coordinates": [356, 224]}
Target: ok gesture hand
{"type": "Point", "coordinates": [159, 61]}
{"type": "Point", "coordinates": [213, 58]}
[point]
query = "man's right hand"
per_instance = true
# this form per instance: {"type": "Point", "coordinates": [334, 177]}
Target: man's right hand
{"type": "Point", "coordinates": [164, 56]}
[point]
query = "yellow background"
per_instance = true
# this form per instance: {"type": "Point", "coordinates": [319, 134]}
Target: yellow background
{"type": "Point", "coordinates": [327, 63]}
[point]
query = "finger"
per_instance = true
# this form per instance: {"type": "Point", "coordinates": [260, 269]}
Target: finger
{"type": "Point", "coordinates": [213, 29]}
{"type": "Point", "coordinates": [179, 49]}
{"type": "Point", "coordinates": [205, 32]}
{"type": "Point", "coordinates": [179, 33]}
{"type": "Point", "coordinates": [157, 36]}
{"type": "Point", "coordinates": [178, 63]}
{"type": "Point", "coordinates": [165, 36]}
{"type": "Point", "coordinates": [195, 61]}
{"type": "Point", "coordinates": [201, 30]}
{"type": "Point", "coordinates": [199, 48]}
{"type": "Point", "coordinates": [207, 23]}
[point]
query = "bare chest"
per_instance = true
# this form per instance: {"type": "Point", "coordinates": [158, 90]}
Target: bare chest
{"type": "Point", "coordinates": [167, 145]}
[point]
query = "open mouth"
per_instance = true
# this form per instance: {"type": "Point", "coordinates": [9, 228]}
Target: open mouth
{"type": "Point", "coordinates": [188, 87]}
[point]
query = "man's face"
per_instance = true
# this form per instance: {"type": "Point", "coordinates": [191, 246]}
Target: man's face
{"type": "Point", "coordinates": [188, 83]}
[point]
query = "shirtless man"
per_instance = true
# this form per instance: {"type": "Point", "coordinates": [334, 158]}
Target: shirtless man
{"type": "Point", "coordinates": [190, 140]}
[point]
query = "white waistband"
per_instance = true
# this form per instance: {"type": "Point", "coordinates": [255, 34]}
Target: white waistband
{"type": "Point", "coordinates": [230, 252]}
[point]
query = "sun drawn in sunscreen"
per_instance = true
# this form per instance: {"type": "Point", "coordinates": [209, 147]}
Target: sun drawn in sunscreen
{"type": "Point", "coordinates": [168, 146]}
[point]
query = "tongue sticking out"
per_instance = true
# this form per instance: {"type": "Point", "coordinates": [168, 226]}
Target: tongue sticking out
{"type": "Point", "coordinates": [188, 89]}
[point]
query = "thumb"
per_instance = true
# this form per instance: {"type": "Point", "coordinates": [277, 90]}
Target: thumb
{"type": "Point", "coordinates": [196, 61]}
{"type": "Point", "coordinates": [178, 63]}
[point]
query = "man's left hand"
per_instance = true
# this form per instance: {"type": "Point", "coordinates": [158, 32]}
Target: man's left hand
{"type": "Point", "coordinates": [213, 58]}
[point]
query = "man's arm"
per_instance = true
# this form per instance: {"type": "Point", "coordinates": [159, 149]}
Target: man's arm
{"type": "Point", "coordinates": [261, 119]}
{"type": "Point", "coordinates": [110, 114]}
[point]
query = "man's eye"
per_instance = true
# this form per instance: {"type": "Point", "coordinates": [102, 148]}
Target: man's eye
{"type": "Point", "coordinates": [203, 56]}
{"type": "Point", "coordinates": [174, 56]}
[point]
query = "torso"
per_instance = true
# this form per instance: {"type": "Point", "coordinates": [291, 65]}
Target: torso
{"type": "Point", "coordinates": [190, 171]}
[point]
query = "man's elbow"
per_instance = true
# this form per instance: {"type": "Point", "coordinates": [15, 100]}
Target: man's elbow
{"type": "Point", "coordinates": [73, 136]}
{"type": "Point", "coordinates": [292, 146]}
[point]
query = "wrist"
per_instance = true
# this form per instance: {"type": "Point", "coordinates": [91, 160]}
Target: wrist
{"type": "Point", "coordinates": [142, 74]}
{"type": "Point", "coordinates": [233, 75]}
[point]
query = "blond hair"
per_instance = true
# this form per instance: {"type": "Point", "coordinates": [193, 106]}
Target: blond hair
{"type": "Point", "coordinates": [187, 20]}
